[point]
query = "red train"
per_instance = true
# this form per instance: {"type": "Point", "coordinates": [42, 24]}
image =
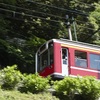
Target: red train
{"type": "Point", "coordinates": [61, 57]}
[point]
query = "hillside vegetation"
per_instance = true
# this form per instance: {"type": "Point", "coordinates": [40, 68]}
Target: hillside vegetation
{"type": "Point", "coordinates": [26, 24]}
{"type": "Point", "coordinates": [17, 86]}
{"type": "Point", "coordinates": [16, 95]}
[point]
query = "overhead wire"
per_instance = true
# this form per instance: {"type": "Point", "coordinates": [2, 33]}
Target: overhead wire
{"type": "Point", "coordinates": [87, 23]}
{"type": "Point", "coordinates": [87, 28]}
{"type": "Point", "coordinates": [32, 22]}
{"type": "Point", "coordinates": [21, 8]}
{"type": "Point", "coordinates": [71, 11]}
{"type": "Point", "coordinates": [84, 3]}
{"type": "Point", "coordinates": [40, 4]}
{"type": "Point", "coordinates": [49, 25]}
{"type": "Point", "coordinates": [98, 30]}
{"type": "Point", "coordinates": [37, 11]}
{"type": "Point", "coordinates": [28, 15]}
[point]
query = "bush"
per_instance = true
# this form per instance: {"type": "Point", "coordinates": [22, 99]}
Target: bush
{"type": "Point", "coordinates": [34, 83]}
{"type": "Point", "coordinates": [67, 88]}
{"type": "Point", "coordinates": [10, 77]}
{"type": "Point", "coordinates": [90, 88]}
{"type": "Point", "coordinates": [16, 95]}
{"type": "Point", "coordinates": [85, 88]}
{"type": "Point", "coordinates": [44, 96]}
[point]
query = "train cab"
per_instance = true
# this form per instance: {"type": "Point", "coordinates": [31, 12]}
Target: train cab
{"type": "Point", "coordinates": [60, 57]}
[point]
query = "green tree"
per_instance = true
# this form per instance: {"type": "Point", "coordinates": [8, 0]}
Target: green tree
{"type": "Point", "coordinates": [89, 87]}
{"type": "Point", "coordinates": [34, 83]}
{"type": "Point", "coordinates": [10, 77]}
{"type": "Point", "coordinates": [67, 88]}
{"type": "Point", "coordinates": [84, 88]}
{"type": "Point", "coordinates": [95, 20]}
{"type": "Point", "coordinates": [25, 25]}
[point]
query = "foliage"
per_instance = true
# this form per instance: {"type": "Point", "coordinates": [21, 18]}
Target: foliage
{"type": "Point", "coordinates": [85, 88]}
{"type": "Point", "coordinates": [95, 16]}
{"type": "Point", "coordinates": [67, 88]}
{"type": "Point", "coordinates": [90, 88]}
{"type": "Point", "coordinates": [95, 20]}
{"type": "Point", "coordinates": [16, 95]}
{"type": "Point", "coordinates": [10, 77]}
{"type": "Point", "coordinates": [34, 83]}
{"type": "Point", "coordinates": [25, 25]}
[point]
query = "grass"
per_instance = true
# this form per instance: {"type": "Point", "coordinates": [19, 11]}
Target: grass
{"type": "Point", "coordinates": [16, 95]}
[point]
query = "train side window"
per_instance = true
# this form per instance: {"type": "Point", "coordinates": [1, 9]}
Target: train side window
{"type": "Point", "coordinates": [80, 59]}
{"type": "Point", "coordinates": [46, 57]}
{"type": "Point", "coordinates": [44, 60]}
{"type": "Point", "coordinates": [50, 53]}
{"type": "Point", "coordinates": [64, 55]}
{"type": "Point", "coordinates": [95, 61]}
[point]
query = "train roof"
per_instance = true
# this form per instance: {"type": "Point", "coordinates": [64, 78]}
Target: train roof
{"type": "Point", "coordinates": [76, 43]}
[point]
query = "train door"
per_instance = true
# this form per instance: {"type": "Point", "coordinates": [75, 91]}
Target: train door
{"type": "Point", "coordinates": [64, 61]}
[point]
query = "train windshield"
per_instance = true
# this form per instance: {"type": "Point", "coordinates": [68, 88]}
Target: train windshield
{"type": "Point", "coordinates": [44, 56]}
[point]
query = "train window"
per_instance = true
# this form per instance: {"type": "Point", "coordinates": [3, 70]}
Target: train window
{"type": "Point", "coordinates": [43, 47]}
{"type": "Point", "coordinates": [80, 58]}
{"type": "Point", "coordinates": [50, 53]}
{"type": "Point", "coordinates": [64, 55]}
{"type": "Point", "coordinates": [46, 57]}
{"type": "Point", "coordinates": [95, 61]}
{"type": "Point", "coordinates": [43, 60]}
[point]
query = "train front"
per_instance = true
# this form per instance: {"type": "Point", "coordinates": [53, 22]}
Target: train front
{"type": "Point", "coordinates": [45, 59]}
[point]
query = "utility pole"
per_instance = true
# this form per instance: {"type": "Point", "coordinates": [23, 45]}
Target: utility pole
{"type": "Point", "coordinates": [69, 28]}
{"type": "Point", "coordinates": [73, 20]}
